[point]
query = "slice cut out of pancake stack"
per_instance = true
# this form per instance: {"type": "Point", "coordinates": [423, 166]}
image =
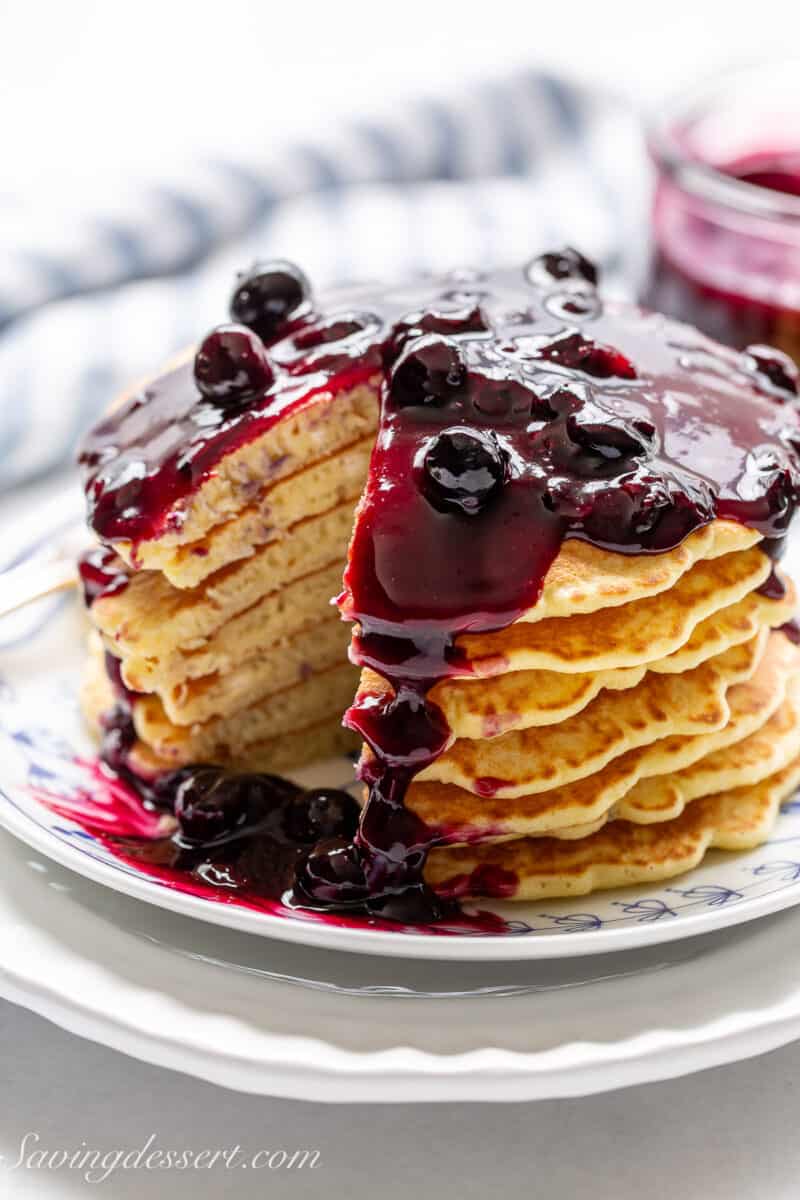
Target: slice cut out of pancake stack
{"type": "Point", "coordinates": [223, 632]}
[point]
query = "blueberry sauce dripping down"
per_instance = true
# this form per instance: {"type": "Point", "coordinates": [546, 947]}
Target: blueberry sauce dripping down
{"type": "Point", "coordinates": [143, 462]}
{"type": "Point", "coordinates": [517, 411]}
{"type": "Point", "coordinates": [626, 432]}
{"type": "Point", "coordinates": [791, 630]}
{"type": "Point", "coordinates": [101, 574]}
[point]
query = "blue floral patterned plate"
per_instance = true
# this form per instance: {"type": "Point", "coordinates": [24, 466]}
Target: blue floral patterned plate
{"type": "Point", "coordinates": [46, 767]}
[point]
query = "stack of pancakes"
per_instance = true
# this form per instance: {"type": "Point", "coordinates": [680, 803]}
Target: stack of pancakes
{"type": "Point", "coordinates": [646, 709]}
{"type": "Point", "coordinates": [225, 633]}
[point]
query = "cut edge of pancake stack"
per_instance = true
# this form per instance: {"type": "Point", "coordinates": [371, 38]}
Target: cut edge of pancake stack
{"type": "Point", "coordinates": [616, 745]}
{"type": "Point", "coordinates": [226, 642]}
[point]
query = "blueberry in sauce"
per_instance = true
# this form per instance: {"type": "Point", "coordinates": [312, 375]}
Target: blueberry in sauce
{"type": "Point", "coordinates": [232, 365]}
{"type": "Point", "coordinates": [773, 369]}
{"type": "Point", "coordinates": [118, 736]}
{"type": "Point", "coordinates": [322, 333]}
{"type": "Point", "coordinates": [210, 803]}
{"type": "Point", "coordinates": [580, 353]}
{"type": "Point", "coordinates": [463, 469]}
{"type": "Point", "coordinates": [449, 320]}
{"type": "Point", "coordinates": [320, 813]}
{"type": "Point", "coordinates": [164, 787]}
{"type": "Point", "coordinates": [501, 399]}
{"type": "Point", "coordinates": [332, 873]}
{"type": "Point", "coordinates": [613, 440]}
{"type": "Point", "coordinates": [562, 266]}
{"type": "Point", "coordinates": [269, 296]}
{"type": "Point", "coordinates": [101, 574]}
{"type": "Point", "coordinates": [430, 371]}
{"type": "Point", "coordinates": [244, 831]}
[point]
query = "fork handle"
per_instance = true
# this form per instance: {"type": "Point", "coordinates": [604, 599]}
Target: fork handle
{"type": "Point", "coordinates": [33, 581]}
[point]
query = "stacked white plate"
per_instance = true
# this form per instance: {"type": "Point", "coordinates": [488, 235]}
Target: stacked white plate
{"type": "Point", "coordinates": [577, 996]}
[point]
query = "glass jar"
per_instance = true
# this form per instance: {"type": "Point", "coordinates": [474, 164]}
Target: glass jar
{"type": "Point", "coordinates": [726, 211]}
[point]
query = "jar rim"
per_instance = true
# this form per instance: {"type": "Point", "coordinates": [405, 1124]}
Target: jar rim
{"type": "Point", "coordinates": [702, 179]}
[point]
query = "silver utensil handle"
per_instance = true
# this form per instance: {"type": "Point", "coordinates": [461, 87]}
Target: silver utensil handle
{"type": "Point", "coordinates": [33, 581]}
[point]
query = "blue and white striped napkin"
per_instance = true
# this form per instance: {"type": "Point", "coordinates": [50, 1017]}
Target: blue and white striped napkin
{"type": "Point", "coordinates": [96, 293]}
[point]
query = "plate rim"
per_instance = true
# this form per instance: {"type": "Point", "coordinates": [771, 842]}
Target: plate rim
{"type": "Point", "coordinates": [526, 946]}
{"type": "Point", "coordinates": [464, 948]}
{"type": "Point", "coordinates": [401, 1073]}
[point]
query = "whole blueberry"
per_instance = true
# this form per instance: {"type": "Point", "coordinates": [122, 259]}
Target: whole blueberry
{"type": "Point", "coordinates": [119, 736]}
{"type": "Point", "coordinates": [448, 320]}
{"type": "Point", "coordinates": [165, 786]}
{"type": "Point", "coordinates": [270, 295]}
{"type": "Point", "coordinates": [332, 873]}
{"type": "Point", "coordinates": [592, 430]}
{"type": "Point", "coordinates": [772, 368]}
{"type": "Point", "coordinates": [430, 371]}
{"type": "Point", "coordinates": [320, 813]}
{"type": "Point", "coordinates": [232, 365]}
{"type": "Point", "coordinates": [210, 803]}
{"type": "Point", "coordinates": [463, 470]}
{"type": "Point", "coordinates": [333, 329]}
{"type": "Point", "coordinates": [566, 266]}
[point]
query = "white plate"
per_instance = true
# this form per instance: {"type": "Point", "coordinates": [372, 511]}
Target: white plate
{"type": "Point", "coordinates": [211, 1002]}
{"type": "Point", "coordinates": [41, 736]}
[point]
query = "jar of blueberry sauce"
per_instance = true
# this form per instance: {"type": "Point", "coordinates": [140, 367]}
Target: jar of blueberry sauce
{"type": "Point", "coordinates": [726, 208]}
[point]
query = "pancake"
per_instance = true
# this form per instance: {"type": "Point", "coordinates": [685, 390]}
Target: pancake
{"type": "Point", "coordinates": [285, 663]}
{"type": "Point", "coordinates": [771, 748]}
{"type": "Point", "coordinates": [268, 736]}
{"type": "Point", "coordinates": [229, 737]}
{"type": "Point", "coordinates": [250, 634]}
{"type": "Point", "coordinates": [316, 431]}
{"type": "Point", "coordinates": [463, 815]}
{"type": "Point", "coordinates": [730, 626]}
{"type": "Point", "coordinates": [751, 703]}
{"type": "Point", "coordinates": [684, 707]}
{"type": "Point", "coordinates": [309, 742]}
{"type": "Point", "coordinates": [152, 618]}
{"type": "Point", "coordinates": [246, 653]}
{"type": "Point", "coordinates": [638, 632]}
{"type": "Point", "coordinates": [662, 797]}
{"type": "Point", "coordinates": [308, 493]}
{"type": "Point", "coordinates": [619, 855]}
{"type": "Point", "coordinates": [475, 708]}
{"type": "Point", "coordinates": [586, 579]}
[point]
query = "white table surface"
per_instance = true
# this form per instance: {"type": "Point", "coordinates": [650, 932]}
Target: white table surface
{"type": "Point", "coordinates": [729, 1133]}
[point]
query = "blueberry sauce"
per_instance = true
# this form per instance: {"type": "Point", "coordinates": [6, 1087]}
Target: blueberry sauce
{"type": "Point", "coordinates": [791, 630]}
{"type": "Point", "coordinates": [627, 432]}
{"type": "Point", "coordinates": [778, 172]}
{"type": "Point", "coordinates": [144, 461]}
{"type": "Point", "coordinates": [101, 574]}
{"type": "Point", "coordinates": [735, 277]}
{"type": "Point", "coordinates": [517, 411]}
{"type": "Point", "coordinates": [250, 870]}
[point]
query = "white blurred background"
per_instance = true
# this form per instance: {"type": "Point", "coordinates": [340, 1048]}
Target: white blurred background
{"type": "Point", "coordinates": [93, 85]}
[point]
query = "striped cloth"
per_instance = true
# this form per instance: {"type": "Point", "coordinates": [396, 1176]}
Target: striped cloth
{"type": "Point", "coordinates": [96, 291]}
